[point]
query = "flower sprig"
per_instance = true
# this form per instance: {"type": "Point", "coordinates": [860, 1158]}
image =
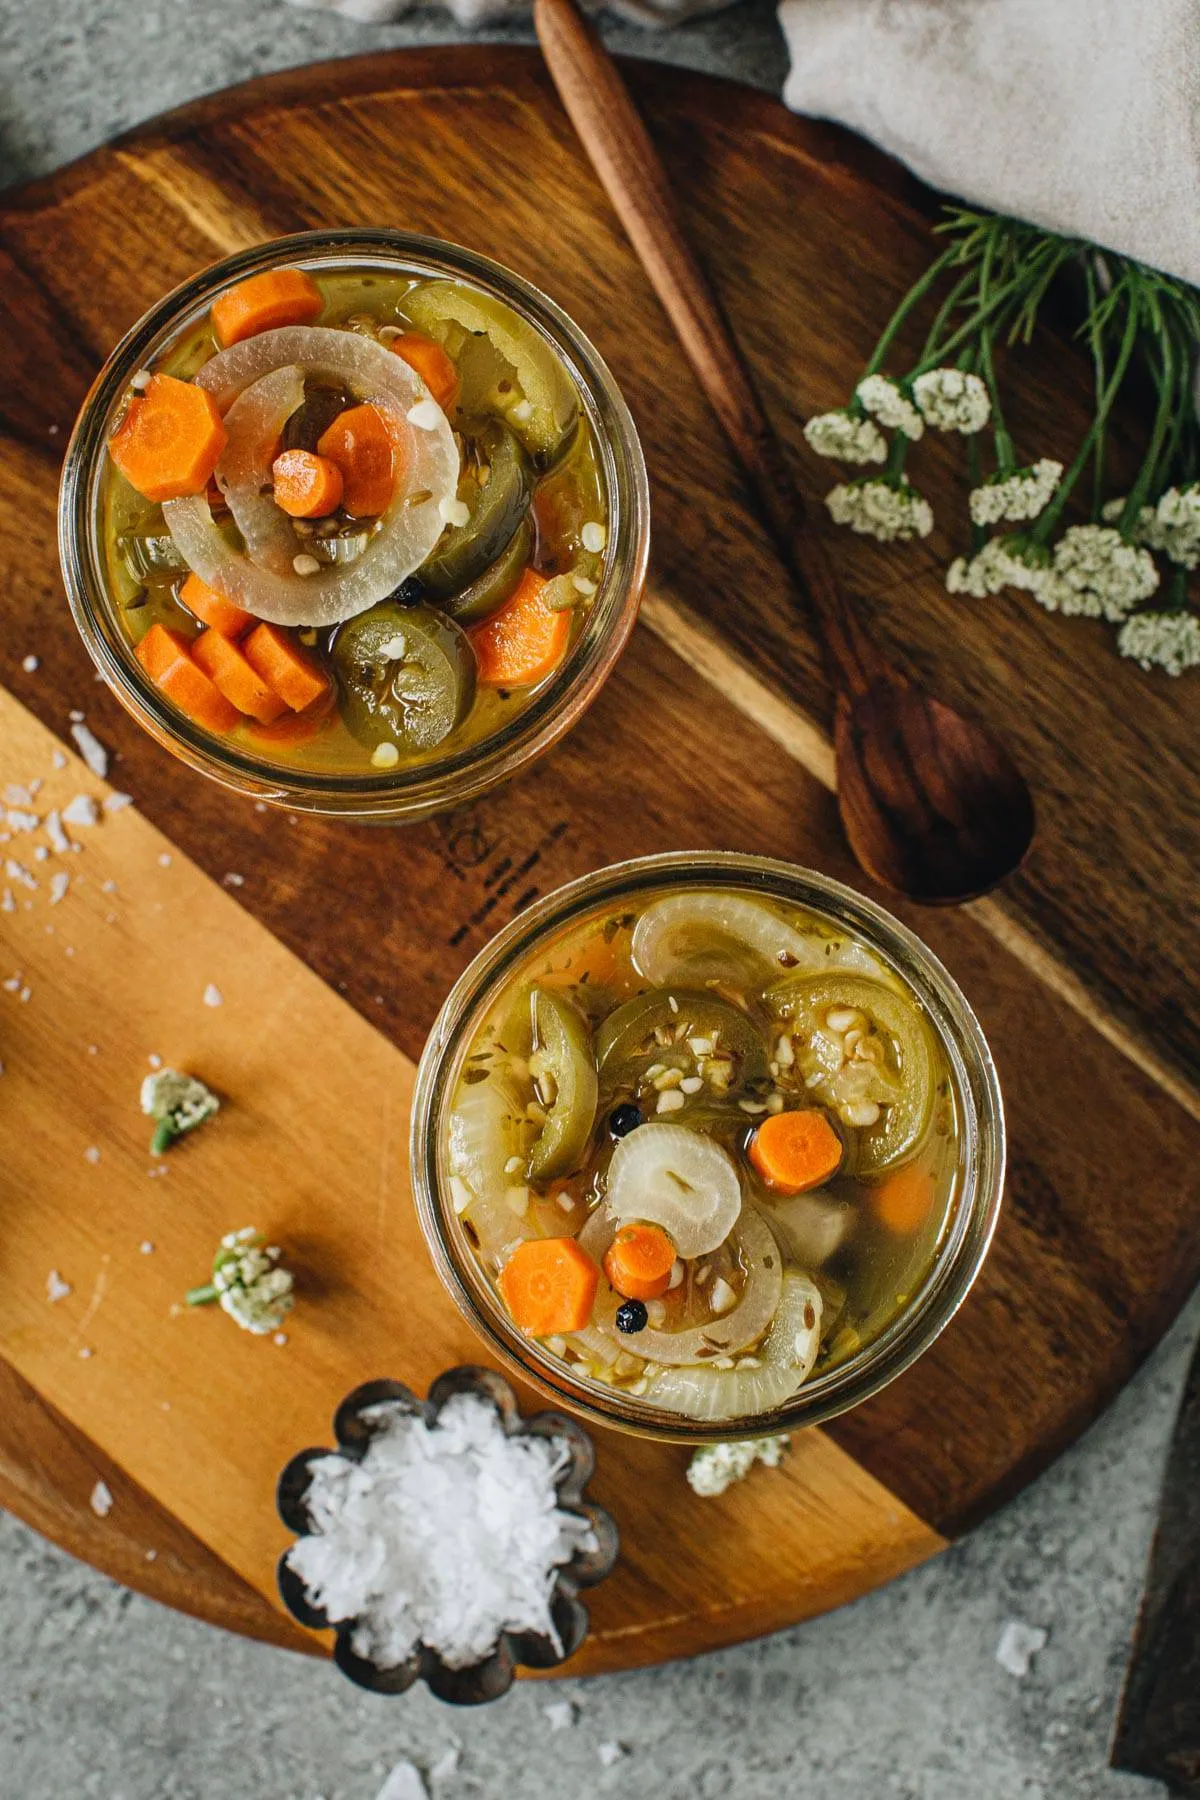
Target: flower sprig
{"type": "Point", "coordinates": [990, 283]}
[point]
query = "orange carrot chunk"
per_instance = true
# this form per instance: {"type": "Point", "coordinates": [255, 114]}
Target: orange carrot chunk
{"type": "Point", "coordinates": [548, 1285]}
{"type": "Point", "coordinates": [432, 365]}
{"type": "Point", "coordinates": [170, 440]}
{"type": "Point", "coordinates": [793, 1151]}
{"type": "Point", "coordinates": [278, 659]}
{"type": "Point", "coordinates": [306, 486]}
{"type": "Point", "coordinates": [904, 1199]}
{"type": "Point", "coordinates": [639, 1261]}
{"type": "Point", "coordinates": [229, 671]}
{"type": "Point", "coordinates": [524, 641]}
{"type": "Point", "coordinates": [361, 446]}
{"type": "Point", "coordinates": [166, 657]}
{"type": "Point", "coordinates": [264, 303]}
{"type": "Point", "coordinates": [293, 727]}
{"type": "Point", "coordinates": [214, 609]}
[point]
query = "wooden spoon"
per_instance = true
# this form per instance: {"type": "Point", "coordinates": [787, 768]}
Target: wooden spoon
{"type": "Point", "coordinates": [932, 804]}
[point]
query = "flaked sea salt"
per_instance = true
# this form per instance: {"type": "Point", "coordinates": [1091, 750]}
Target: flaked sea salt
{"type": "Point", "coordinates": [445, 1535]}
{"type": "Point", "coordinates": [560, 1715]}
{"type": "Point", "coordinates": [59, 883]}
{"type": "Point", "coordinates": [1018, 1646]}
{"type": "Point", "coordinates": [610, 1753]}
{"type": "Point", "coordinates": [101, 1500]}
{"type": "Point", "coordinates": [116, 802]}
{"type": "Point", "coordinates": [30, 664]}
{"type": "Point", "coordinates": [60, 843]}
{"type": "Point", "coordinates": [404, 1783]}
{"type": "Point", "coordinates": [56, 1288]}
{"type": "Point", "coordinates": [213, 995]}
{"type": "Point", "coordinates": [89, 746]}
{"type": "Point", "coordinates": [82, 810]}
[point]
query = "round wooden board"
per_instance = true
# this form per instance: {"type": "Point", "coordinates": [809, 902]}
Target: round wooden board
{"type": "Point", "coordinates": [332, 947]}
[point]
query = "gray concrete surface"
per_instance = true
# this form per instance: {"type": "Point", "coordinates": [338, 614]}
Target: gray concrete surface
{"type": "Point", "coordinates": [897, 1698]}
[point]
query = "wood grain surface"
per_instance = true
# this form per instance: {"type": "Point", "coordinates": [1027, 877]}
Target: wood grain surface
{"type": "Point", "coordinates": [712, 733]}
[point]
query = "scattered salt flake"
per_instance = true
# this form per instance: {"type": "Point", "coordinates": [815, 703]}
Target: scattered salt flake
{"type": "Point", "coordinates": [91, 1155]}
{"type": "Point", "coordinates": [30, 664]}
{"type": "Point", "coordinates": [85, 1352]}
{"type": "Point", "coordinates": [116, 802]}
{"type": "Point", "coordinates": [7, 903]}
{"type": "Point", "coordinates": [82, 810]}
{"type": "Point", "coordinates": [159, 1169]}
{"type": "Point", "coordinates": [12, 983]}
{"type": "Point", "coordinates": [16, 795]}
{"type": "Point", "coordinates": [22, 821]}
{"type": "Point", "coordinates": [108, 887]}
{"type": "Point", "coordinates": [610, 1752]}
{"type": "Point", "coordinates": [232, 880]}
{"type": "Point", "coordinates": [60, 843]}
{"type": "Point", "coordinates": [213, 995]}
{"type": "Point", "coordinates": [58, 760]}
{"type": "Point", "coordinates": [24, 995]}
{"type": "Point", "coordinates": [41, 853]}
{"type": "Point", "coordinates": [101, 1500]}
{"type": "Point", "coordinates": [90, 748]}
{"type": "Point", "coordinates": [56, 1288]}
{"type": "Point", "coordinates": [1018, 1646]}
{"type": "Point", "coordinates": [59, 883]}
{"type": "Point", "coordinates": [280, 1338]}
{"type": "Point", "coordinates": [164, 860]}
{"type": "Point", "coordinates": [404, 1783]}
{"type": "Point", "coordinates": [260, 806]}
{"type": "Point", "coordinates": [155, 1060]}
{"type": "Point", "coordinates": [152, 1556]}
{"type": "Point", "coordinates": [446, 1764]}
{"type": "Point", "coordinates": [561, 1714]}
{"type": "Point", "coordinates": [19, 873]}
{"type": "Point", "coordinates": [146, 1247]}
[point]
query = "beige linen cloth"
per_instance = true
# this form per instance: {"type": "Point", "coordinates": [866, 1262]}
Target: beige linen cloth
{"type": "Point", "coordinates": [1080, 115]}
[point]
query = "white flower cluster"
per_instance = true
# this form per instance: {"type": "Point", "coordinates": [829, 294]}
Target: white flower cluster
{"type": "Point", "coordinates": [887, 510]}
{"type": "Point", "coordinates": [715, 1467]}
{"type": "Point", "coordinates": [1169, 641]}
{"type": "Point", "coordinates": [888, 403]}
{"type": "Point", "coordinates": [845, 438]}
{"type": "Point", "coordinates": [1097, 574]}
{"type": "Point", "coordinates": [1173, 526]}
{"type": "Point", "coordinates": [1003, 562]}
{"type": "Point", "coordinates": [952, 400]}
{"type": "Point", "coordinates": [250, 1285]}
{"type": "Point", "coordinates": [1022, 495]}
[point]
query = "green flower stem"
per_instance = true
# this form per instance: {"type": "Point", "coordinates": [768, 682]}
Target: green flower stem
{"type": "Point", "coordinates": [893, 470]}
{"type": "Point", "coordinates": [1053, 513]}
{"type": "Point", "coordinates": [202, 1296]}
{"type": "Point", "coordinates": [912, 299]}
{"type": "Point", "coordinates": [164, 1136]}
{"type": "Point", "coordinates": [953, 299]}
{"type": "Point", "coordinates": [1096, 339]}
{"type": "Point", "coordinates": [975, 476]}
{"type": "Point", "coordinates": [999, 297]}
{"type": "Point", "coordinates": [1175, 597]}
{"type": "Point", "coordinates": [1167, 406]}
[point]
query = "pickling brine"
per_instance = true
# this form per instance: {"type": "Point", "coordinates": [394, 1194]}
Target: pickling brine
{"type": "Point", "coordinates": [704, 1147]}
{"type": "Point", "coordinates": [353, 522]}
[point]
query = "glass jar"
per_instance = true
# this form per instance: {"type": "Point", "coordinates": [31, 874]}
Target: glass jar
{"type": "Point", "coordinates": [428, 786]}
{"type": "Point", "coordinates": [981, 1139]}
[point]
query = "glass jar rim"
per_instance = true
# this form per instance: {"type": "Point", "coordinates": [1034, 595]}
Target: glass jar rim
{"type": "Point", "coordinates": [958, 1258]}
{"type": "Point", "coordinates": [420, 788]}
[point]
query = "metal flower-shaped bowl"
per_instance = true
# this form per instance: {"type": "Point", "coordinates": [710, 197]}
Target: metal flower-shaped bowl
{"type": "Point", "coordinates": [489, 1679]}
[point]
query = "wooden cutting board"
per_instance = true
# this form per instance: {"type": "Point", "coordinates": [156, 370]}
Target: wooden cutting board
{"type": "Point", "coordinates": [331, 947]}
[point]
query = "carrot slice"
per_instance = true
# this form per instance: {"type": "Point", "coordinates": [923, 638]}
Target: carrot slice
{"type": "Point", "coordinates": [549, 1285]}
{"type": "Point", "coordinates": [639, 1261]}
{"type": "Point", "coordinates": [295, 728]}
{"type": "Point", "coordinates": [432, 365]}
{"type": "Point", "coordinates": [275, 656]}
{"type": "Point", "coordinates": [170, 440]}
{"type": "Point", "coordinates": [793, 1151]}
{"type": "Point", "coordinates": [214, 609]}
{"type": "Point", "coordinates": [229, 671]}
{"type": "Point", "coordinates": [264, 303]}
{"type": "Point", "coordinates": [166, 657]}
{"type": "Point", "coordinates": [306, 486]}
{"type": "Point", "coordinates": [522, 642]}
{"type": "Point", "coordinates": [904, 1199]}
{"type": "Point", "coordinates": [361, 445]}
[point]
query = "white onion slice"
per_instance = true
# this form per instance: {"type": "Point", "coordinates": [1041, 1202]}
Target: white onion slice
{"type": "Point", "coordinates": [678, 1179]}
{"type": "Point", "coordinates": [487, 1128]}
{"type": "Point", "coordinates": [694, 938]}
{"type": "Point", "coordinates": [735, 1330]}
{"type": "Point", "coordinates": [406, 532]}
{"type": "Point", "coordinates": [811, 1227]}
{"type": "Point", "coordinates": [785, 1362]}
{"type": "Point", "coordinates": [254, 423]}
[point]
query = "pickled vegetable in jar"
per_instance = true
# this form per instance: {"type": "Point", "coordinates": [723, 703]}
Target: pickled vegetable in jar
{"type": "Point", "coordinates": [353, 523]}
{"type": "Point", "coordinates": [704, 1149]}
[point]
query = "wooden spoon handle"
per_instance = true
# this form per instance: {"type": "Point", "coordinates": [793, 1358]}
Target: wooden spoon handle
{"type": "Point", "coordinates": [611, 131]}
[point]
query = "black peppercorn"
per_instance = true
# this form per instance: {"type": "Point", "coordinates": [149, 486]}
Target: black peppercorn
{"type": "Point", "coordinates": [632, 1316]}
{"type": "Point", "coordinates": [409, 593]}
{"type": "Point", "coordinates": [625, 1118]}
